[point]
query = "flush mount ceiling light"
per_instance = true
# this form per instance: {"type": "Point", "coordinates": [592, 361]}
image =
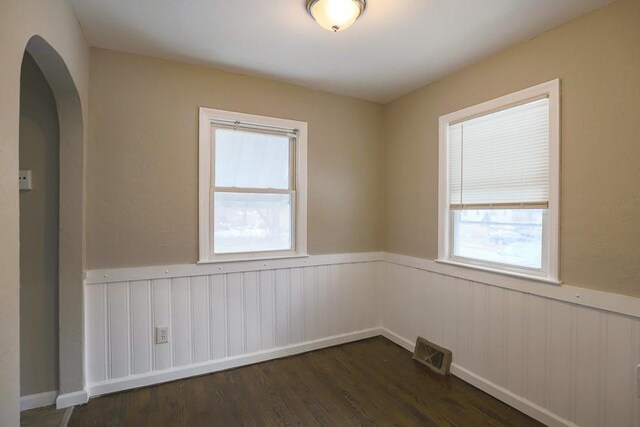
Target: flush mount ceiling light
{"type": "Point", "coordinates": [336, 15]}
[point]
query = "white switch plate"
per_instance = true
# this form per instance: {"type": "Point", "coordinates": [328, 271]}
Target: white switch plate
{"type": "Point", "coordinates": [162, 334]}
{"type": "Point", "coordinates": [24, 180]}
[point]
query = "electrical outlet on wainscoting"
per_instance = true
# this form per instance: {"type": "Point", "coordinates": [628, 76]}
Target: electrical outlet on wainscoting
{"type": "Point", "coordinates": [162, 334]}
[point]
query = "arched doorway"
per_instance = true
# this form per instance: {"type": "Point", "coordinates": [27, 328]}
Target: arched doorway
{"type": "Point", "coordinates": [39, 206]}
{"type": "Point", "coordinates": [71, 220]}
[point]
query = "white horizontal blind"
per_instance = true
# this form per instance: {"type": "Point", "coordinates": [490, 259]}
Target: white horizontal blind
{"type": "Point", "coordinates": [501, 159]}
{"type": "Point", "coordinates": [252, 160]}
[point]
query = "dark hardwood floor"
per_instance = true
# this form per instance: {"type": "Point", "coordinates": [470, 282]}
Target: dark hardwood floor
{"type": "Point", "coordinates": [370, 382]}
{"type": "Point", "coordinates": [47, 416]}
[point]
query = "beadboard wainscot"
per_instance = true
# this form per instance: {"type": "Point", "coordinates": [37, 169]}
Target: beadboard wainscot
{"type": "Point", "coordinates": [562, 354]}
{"type": "Point", "coordinates": [565, 355]}
{"type": "Point", "coordinates": [223, 315]}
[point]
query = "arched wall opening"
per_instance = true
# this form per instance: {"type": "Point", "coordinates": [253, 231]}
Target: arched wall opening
{"type": "Point", "coordinates": [71, 220]}
{"type": "Point", "coordinates": [39, 207]}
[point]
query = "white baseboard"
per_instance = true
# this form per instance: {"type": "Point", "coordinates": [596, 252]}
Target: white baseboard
{"type": "Point", "coordinates": [152, 378]}
{"type": "Point", "coordinates": [143, 380]}
{"type": "Point", "coordinates": [523, 405]}
{"type": "Point", "coordinates": [72, 399]}
{"type": "Point", "coordinates": [402, 342]}
{"type": "Point", "coordinates": [39, 400]}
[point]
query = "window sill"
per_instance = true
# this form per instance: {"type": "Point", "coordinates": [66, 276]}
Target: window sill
{"type": "Point", "coordinates": [501, 272]}
{"type": "Point", "coordinates": [249, 259]}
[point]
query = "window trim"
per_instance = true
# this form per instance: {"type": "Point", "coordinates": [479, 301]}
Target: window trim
{"type": "Point", "coordinates": [550, 249]}
{"type": "Point", "coordinates": [205, 186]}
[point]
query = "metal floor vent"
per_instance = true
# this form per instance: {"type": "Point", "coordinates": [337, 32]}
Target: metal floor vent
{"type": "Point", "coordinates": [435, 357]}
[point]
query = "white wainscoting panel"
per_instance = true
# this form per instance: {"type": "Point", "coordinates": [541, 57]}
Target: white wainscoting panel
{"type": "Point", "coordinates": [563, 354]}
{"type": "Point", "coordinates": [562, 363]}
{"type": "Point", "coordinates": [221, 320]}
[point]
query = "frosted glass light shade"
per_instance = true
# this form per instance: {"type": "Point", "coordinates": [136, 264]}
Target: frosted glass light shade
{"type": "Point", "coordinates": [335, 15]}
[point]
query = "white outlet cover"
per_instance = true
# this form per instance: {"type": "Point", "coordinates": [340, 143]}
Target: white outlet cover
{"type": "Point", "coordinates": [162, 334]}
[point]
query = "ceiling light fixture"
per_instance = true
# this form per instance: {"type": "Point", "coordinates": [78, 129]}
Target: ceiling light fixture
{"type": "Point", "coordinates": [336, 15]}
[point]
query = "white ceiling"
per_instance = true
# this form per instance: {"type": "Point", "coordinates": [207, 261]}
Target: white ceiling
{"type": "Point", "coordinates": [395, 47]}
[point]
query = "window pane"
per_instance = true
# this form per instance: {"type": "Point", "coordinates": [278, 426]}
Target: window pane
{"type": "Point", "coordinates": [511, 236]}
{"type": "Point", "coordinates": [251, 160]}
{"type": "Point", "coordinates": [251, 222]}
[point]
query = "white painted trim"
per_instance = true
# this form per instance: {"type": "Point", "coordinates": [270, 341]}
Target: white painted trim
{"type": "Point", "coordinates": [143, 380]}
{"type": "Point", "coordinates": [266, 258]}
{"type": "Point", "coordinates": [608, 301]}
{"type": "Point", "coordinates": [38, 400]}
{"type": "Point", "coordinates": [553, 257]}
{"type": "Point", "coordinates": [402, 342]}
{"type": "Point", "coordinates": [204, 184]}
{"type": "Point", "coordinates": [443, 189]}
{"type": "Point", "coordinates": [205, 161]}
{"type": "Point", "coordinates": [498, 271]}
{"type": "Point", "coordinates": [301, 188]}
{"type": "Point", "coordinates": [551, 237]}
{"type": "Point", "coordinates": [523, 405]}
{"type": "Point", "coordinates": [204, 269]}
{"type": "Point", "coordinates": [72, 399]}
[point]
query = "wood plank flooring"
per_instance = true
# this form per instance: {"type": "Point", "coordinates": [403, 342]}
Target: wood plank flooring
{"type": "Point", "coordinates": [366, 383]}
{"type": "Point", "coordinates": [47, 416]}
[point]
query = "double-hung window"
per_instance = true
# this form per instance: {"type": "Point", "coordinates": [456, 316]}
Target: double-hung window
{"type": "Point", "coordinates": [499, 184]}
{"type": "Point", "coordinates": [252, 186]}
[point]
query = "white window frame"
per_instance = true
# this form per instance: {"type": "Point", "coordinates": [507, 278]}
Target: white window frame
{"type": "Point", "coordinates": [551, 237]}
{"type": "Point", "coordinates": [206, 191]}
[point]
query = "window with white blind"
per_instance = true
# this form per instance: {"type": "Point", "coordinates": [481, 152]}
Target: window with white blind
{"type": "Point", "coordinates": [252, 186]}
{"type": "Point", "coordinates": [499, 184]}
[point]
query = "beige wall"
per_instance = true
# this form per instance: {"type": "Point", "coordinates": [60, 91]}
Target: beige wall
{"type": "Point", "coordinates": [142, 158]}
{"type": "Point", "coordinates": [142, 184]}
{"type": "Point", "coordinates": [20, 20]}
{"type": "Point", "coordinates": [597, 57]}
{"type": "Point", "coordinates": [39, 152]}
